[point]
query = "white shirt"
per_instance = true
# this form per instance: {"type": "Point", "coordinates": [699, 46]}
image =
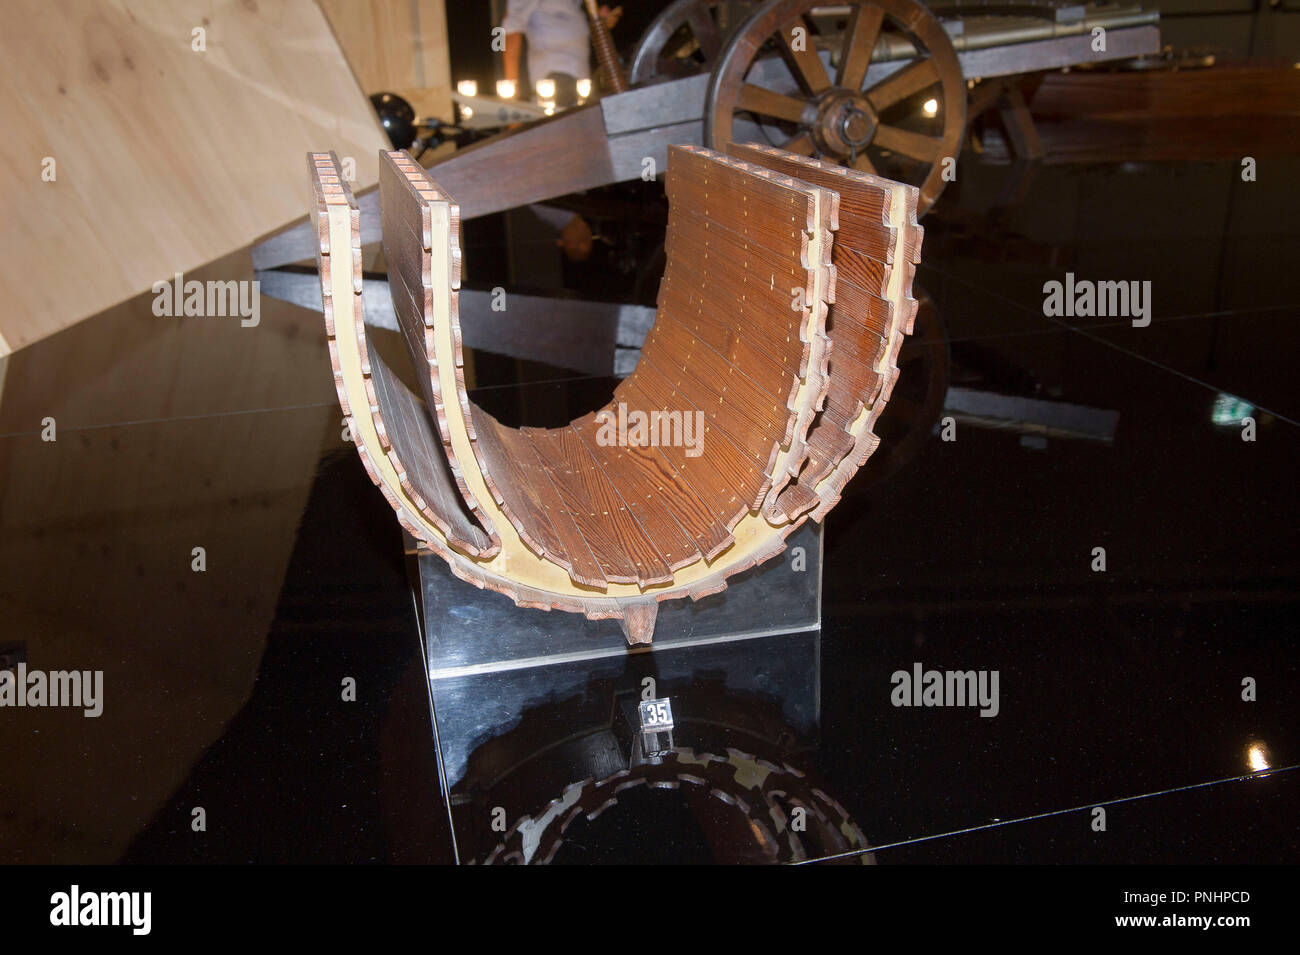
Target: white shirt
{"type": "Point", "coordinates": [557, 33]}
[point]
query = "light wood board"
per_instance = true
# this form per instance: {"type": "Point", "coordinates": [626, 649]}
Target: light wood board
{"type": "Point", "coordinates": [165, 157]}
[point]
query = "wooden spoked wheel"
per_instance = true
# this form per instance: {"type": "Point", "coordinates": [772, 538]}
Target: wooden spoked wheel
{"type": "Point", "coordinates": [899, 123]}
{"type": "Point", "coordinates": [686, 38]}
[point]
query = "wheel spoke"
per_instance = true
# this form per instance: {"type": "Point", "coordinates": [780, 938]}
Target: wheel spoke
{"type": "Point", "coordinates": [806, 63]}
{"type": "Point", "coordinates": [924, 148]}
{"type": "Point", "coordinates": [863, 164]}
{"type": "Point", "coordinates": [801, 143]}
{"type": "Point", "coordinates": [756, 99]}
{"type": "Point", "coordinates": [860, 40]}
{"type": "Point", "coordinates": [706, 31]}
{"type": "Point", "coordinates": [899, 86]}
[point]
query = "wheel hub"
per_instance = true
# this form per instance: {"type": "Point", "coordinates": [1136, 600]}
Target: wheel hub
{"type": "Point", "coordinates": [845, 124]}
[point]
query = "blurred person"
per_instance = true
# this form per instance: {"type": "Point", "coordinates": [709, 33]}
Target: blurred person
{"type": "Point", "coordinates": [558, 38]}
{"type": "Point", "coordinates": [559, 43]}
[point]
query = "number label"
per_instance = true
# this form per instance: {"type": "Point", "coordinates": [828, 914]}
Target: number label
{"type": "Point", "coordinates": [656, 715]}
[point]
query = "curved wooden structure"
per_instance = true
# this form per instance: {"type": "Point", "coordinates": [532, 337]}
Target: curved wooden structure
{"type": "Point", "coordinates": [783, 304]}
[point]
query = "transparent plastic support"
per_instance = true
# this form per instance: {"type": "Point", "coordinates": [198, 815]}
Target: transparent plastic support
{"type": "Point", "coordinates": [467, 630]}
{"type": "Point", "coordinates": [527, 702]}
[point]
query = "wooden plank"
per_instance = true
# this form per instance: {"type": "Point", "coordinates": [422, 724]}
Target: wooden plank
{"type": "Point", "coordinates": [756, 420]}
{"type": "Point", "coordinates": [739, 470]}
{"type": "Point", "coordinates": [614, 535]}
{"type": "Point", "coordinates": [707, 482]}
{"type": "Point", "coordinates": [532, 503]}
{"type": "Point", "coordinates": [404, 427]}
{"type": "Point", "coordinates": [397, 46]}
{"type": "Point", "coordinates": [657, 494]}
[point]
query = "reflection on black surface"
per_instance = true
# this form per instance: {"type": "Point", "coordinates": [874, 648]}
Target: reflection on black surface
{"type": "Point", "coordinates": [567, 782]}
{"type": "Point", "coordinates": [162, 443]}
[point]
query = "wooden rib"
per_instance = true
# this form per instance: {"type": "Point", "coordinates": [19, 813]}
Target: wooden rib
{"type": "Point", "coordinates": [871, 313]}
{"type": "Point", "coordinates": [408, 206]}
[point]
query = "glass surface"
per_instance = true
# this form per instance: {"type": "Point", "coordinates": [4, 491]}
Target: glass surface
{"type": "Point", "coordinates": [283, 689]}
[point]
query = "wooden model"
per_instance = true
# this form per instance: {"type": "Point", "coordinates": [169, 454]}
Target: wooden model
{"type": "Point", "coordinates": [785, 298]}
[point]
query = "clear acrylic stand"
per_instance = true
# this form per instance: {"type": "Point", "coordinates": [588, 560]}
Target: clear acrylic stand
{"type": "Point", "coordinates": [526, 702]}
{"type": "Point", "coordinates": [468, 630]}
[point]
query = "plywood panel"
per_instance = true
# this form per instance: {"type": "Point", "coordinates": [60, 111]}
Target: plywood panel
{"type": "Point", "coordinates": [164, 157]}
{"type": "Point", "coordinates": [398, 46]}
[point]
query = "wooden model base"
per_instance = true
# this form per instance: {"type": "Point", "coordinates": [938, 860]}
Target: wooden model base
{"type": "Point", "coordinates": [785, 298]}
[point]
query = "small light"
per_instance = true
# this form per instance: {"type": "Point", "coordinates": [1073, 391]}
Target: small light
{"type": "Point", "coordinates": [931, 107]}
{"type": "Point", "coordinates": [584, 88]}
{"type": "Point", "coordinates": [1257, 758]}
{"type": "Point", "coordinates": [548, 109]}
{"type": "Point", "coordinates": [506, 89]}
{"type": "Point", "coordinates": [467, 112]}
{"type": "Point", "coordinates": [467, 88]}
{"type": "Point", "coordinates": [546, 89]}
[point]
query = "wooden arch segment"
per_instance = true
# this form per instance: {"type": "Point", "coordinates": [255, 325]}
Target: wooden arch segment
{"type": "Point", "coordinates": [877, 249]}
{"type": "Point", "coordinates": [734, 411]}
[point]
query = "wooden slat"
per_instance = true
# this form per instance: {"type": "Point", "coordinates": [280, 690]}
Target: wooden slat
{"type": "Point", "coordinates": [755, 420]}
{"type": "Point", "coordinates": [610, 529]}
{"type": "Point", "coordinates": [655, 490]}
{"type": "Point", "coordinates": [738, 469]}
{"type": "Point", "coordinates": [512, 489]}
{"type": "Point", "coordinates": [708, 477]}
{"type": "Point", "coordinates": [864, 325]}
{"type": "Point", "coordinates": [404, 427]}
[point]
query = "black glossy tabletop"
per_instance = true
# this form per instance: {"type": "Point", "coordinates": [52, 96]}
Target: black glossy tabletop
{"type": "Point", "coordinates": [180, 509]}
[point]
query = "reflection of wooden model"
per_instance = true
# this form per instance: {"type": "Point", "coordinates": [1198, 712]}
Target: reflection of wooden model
{"type": "Point", "coordinates": [783, 304]}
